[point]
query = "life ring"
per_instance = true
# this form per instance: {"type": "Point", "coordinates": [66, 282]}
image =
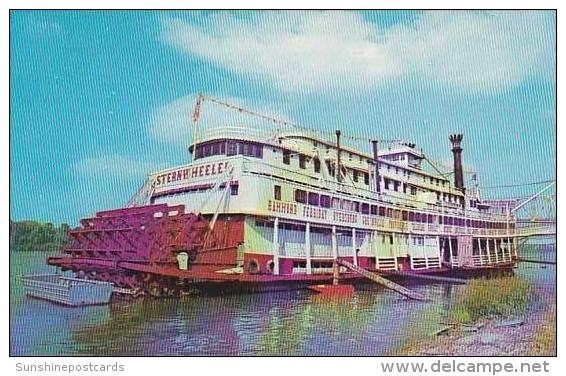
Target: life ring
{"type": "Point", "coordinates": [253, 266]}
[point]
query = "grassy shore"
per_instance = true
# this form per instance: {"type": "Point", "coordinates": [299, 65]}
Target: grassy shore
{"type": "Point", "coordinates": [475, 319]}
{"type": "Point", "coordinates": [485, 298]}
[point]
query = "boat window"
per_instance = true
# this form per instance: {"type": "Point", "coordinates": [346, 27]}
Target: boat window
{"type": "Point", "coordinates": [234, 190]}
{"type": "Point", "coordinates": [346, 205]}
{"type": "Point", "coordinates": [366, 178]}
{"type": "Point", "coordinates": [382, 211]}
{"type": "Point", "coordinates": [316, 163]}
{"type": "Point", "coordinates": [302, 161]}
{"type": "Point", "coordinates": [355, 206]}
{"type": "Point", "coordinates": [404, 215]}
{"type": "Point", "coordinates": [335, 202]}
{"type": "Point", "coordinates": [325, 201]}
{"type": "Point", "coordinates": [430, 218]}
{"type": "Point", "coordinates": [300, 196]}
{"type": "Point", "coordinates": [331, 168]}
{"type": "Point", "coordinates": [231, 148]}
{"type": "Point", "coordinates": [373, 209]}
{"type": "Point", "coordinates": [355, 175]}
{"type": "Point", "coordinates": [277, 192]}
{"type": "Point", "coordinates": [365, 208]}
{"type": "Point", "coordinates": [411, 216]}
{"type": "Point", "coordinates": [286, 157]}
{"type": "Point", "coordinates": [313, 198]}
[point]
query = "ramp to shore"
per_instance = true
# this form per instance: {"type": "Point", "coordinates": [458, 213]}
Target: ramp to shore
{"type": "Point", "coordinates": [382, 281]}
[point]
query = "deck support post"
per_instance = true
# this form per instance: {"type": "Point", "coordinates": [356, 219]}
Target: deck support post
{"type": "Point", "coordinates": [480, 251]}
{"type": "Point", "coordinates": [488, 251]}
{"type": "Point", "coordinates": [440, 250]}
{"type": "Point", "coordinates": [451, 251]}
{"type": "Point", "coordinates": [354, 253]}
{"type": "Point", "coordinates": [425, 253]}
{"type": "Point", "coordinates": [308, 247]}
{"type": "Point", "coordinates": [509, 249]}
{"type": "Point", "coordinates": [496, 251]}
{"type": "Point", "coordinates": [335, 266]}
{"type": "Point", "coordinates": [334, 244]}
{"type": "Point", "coordinates": [276, 246]}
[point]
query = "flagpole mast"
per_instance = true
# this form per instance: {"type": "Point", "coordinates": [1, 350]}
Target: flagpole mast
{"type": "Point", "coordinates": [196, 118]}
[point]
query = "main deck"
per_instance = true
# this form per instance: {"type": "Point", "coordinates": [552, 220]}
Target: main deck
{"type": "Point", "coordinates": [285, 205]}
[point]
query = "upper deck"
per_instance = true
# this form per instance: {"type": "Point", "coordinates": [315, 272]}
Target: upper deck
{"type": "Point", "coordinates": [282, 171]}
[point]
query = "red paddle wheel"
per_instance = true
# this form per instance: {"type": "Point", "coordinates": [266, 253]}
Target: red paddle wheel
{"type": "Point", "coordinates": [146, 235]}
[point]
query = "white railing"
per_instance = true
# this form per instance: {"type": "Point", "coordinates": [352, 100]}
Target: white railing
{"type": "Point", "coordinates": [418, 263]}
{"type": "Point", "coordinates": [389, 263]}
{"type": "Point", "coordinates": [454, 261]}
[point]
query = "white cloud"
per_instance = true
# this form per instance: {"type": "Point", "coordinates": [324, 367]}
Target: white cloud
{"type": "Point", "coordinates": [42, 27]}
{"type": "Point", "coordinates": [172, 122]}
{"type": "Point", "coordinates": [315, 51]}
{"type": "Point", "coordinates": [115, 167]}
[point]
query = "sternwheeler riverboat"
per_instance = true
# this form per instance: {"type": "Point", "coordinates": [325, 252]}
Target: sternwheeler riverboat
{"type": "Point", "coordinates": [276, 207]}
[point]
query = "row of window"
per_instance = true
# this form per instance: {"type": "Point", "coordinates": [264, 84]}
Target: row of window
{"type": "Point", "coordinates": [303, 159]}
{"type": "Point", "coordinates": [254, 149]}
{"type": "Point", "coordinates": [397, 186]}
{"type": "Point", "coordinates": [327, 201]}
{"type": "Point", "coordinates": [330, 166]}
{"type": "Point", "coordinates": [388, 183]}
{"type": "Point", "coordinates": [234, 190]}
{"type": "Point", "coordinates": [229, 148]}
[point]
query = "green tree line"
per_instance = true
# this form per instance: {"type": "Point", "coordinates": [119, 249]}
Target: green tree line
{"type": "Point", "coordinates": [36, 236]}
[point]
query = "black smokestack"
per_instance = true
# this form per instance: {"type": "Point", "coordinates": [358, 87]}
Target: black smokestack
{"type": "Point", "coordinates": [456, 140]}
{"type": "Point", "coordinates": [338, 152]}
{"type": "Point", "coordinates": [376, 165]}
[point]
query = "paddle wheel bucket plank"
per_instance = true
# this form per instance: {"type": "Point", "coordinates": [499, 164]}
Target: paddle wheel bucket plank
{"type": "Point", "coordinates": [149, 233]}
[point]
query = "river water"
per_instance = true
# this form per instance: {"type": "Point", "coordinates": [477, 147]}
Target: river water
{"type": "Point", "coordinates": [372, 322]}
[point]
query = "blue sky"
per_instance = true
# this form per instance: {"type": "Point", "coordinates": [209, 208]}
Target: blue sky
{"type": "Point", "coordinates": [101, 98]}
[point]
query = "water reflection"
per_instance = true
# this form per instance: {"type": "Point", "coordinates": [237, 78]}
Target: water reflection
{"type": "Point", "coordinates": [371, 322]}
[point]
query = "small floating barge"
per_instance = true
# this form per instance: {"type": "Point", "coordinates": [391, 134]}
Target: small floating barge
{"type": "Point", "coordinates": [68, 291]}
{"type": "Point", "coordinates": [277, 207]}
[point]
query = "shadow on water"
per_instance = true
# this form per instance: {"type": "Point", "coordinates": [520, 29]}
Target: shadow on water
{"type": "Point", "coordinates": [294, 323]}
{"type": "Point", "coordinates": [371, 322]}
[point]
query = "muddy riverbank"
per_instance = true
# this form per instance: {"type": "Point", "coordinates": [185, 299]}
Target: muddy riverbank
{"type": "Point", "coordinates": [532, 333]}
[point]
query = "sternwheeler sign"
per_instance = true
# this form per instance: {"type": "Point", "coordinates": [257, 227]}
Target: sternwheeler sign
{"type": "Point", "coordinates": [184, 174]}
